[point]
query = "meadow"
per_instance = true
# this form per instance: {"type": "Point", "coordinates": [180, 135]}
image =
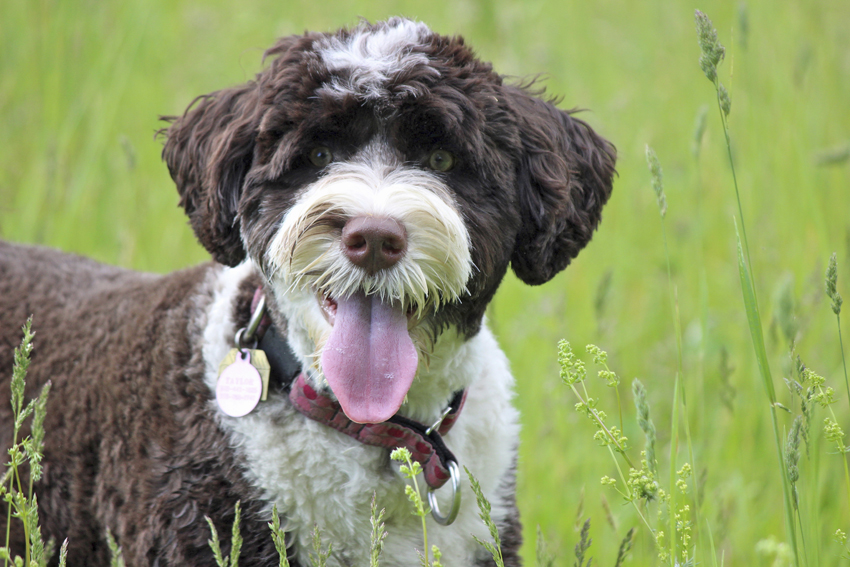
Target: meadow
{"type": "Point", "coordinates": [83, 82]}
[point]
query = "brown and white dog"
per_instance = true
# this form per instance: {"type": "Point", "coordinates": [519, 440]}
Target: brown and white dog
{"type": "Point", "coordinates": [375, 183]}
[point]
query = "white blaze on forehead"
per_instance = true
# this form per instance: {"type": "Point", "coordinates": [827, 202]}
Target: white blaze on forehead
{"type": "Point", "coordinates": [369, 58]}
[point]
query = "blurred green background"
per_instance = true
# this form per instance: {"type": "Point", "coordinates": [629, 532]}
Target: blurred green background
{"type": "Point", "coordinates": [82, 83]}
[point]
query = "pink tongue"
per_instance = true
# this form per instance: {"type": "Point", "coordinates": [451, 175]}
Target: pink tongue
{"type": "Point", "coordinates": [369, 359]}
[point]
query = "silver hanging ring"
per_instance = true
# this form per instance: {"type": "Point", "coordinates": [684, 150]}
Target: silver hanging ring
{"type": "Point", "coordinates": [246, 335]}
{"type": "Point", "coordinates": [432, 498]}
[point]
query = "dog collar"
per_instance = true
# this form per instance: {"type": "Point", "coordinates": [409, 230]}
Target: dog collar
{"type": "Point", "coordinates": [425, 443]}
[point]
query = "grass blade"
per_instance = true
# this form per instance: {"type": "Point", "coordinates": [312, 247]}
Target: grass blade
{"type": "Point", "coordinates": [754, 322]}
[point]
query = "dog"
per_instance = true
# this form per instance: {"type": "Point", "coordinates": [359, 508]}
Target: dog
{"type": "Point", "coordinates": [361, 199]}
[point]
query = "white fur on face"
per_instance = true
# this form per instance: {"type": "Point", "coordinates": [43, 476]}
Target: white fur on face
{"type": "Point", "coordinates": [305, 258]}
{"type": "Point", "coordinates": [306, 253]}
{"type": "Point", "coordinates": [371, 58]}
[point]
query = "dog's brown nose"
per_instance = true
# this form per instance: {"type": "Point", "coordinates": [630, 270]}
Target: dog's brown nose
{"type": "Point", "coordinates": [374, 243]}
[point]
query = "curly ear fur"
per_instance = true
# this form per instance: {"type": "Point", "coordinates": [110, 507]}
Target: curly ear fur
{"type": "Point", "coordinates": [208, 151]}
{"type": "Point", "coordinates": [565, 177]}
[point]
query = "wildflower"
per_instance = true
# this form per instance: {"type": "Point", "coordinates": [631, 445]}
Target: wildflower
{"type": "Point", "coordinates": [610, 378]}
{"type": "Point", "coordinates": [599, 355]}
{"type": "Point", "coordinates": [683, 474]}
{"type": "Point", "coordinates": [833, 432]}
{"type": "Point", "coordinates": [642, 484]}
{"type": "Point", "coordinates": [815, 379]}
{"type": "Point", "coordinates": [573, 370]}
{"type": "Point", "coordinates": [659, 544]}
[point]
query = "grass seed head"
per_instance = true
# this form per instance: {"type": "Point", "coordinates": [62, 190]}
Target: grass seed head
{"type": "Point", "coordinates": [743, 25]}
{"type": "Point", "coordinates": [699, 130]}
{"type": "Point", "coordinates": [625, 546]}
{"type": "Point", "coordinates": [657, 179]}
{"type": "Point", "coordinates": [725, 101]}
{"type": "Point", "coordinates": [712, 51]}
{"type": "Point", "coordinates": [583, 545]}
{"type": "Point", "coordinates": [832, 283]}
{"type": "Point", "coordinates": [645, 423]}
{"type": "Point", "coordinates": [792, 450]}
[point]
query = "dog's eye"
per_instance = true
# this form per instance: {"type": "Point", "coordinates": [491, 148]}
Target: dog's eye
{"type": "Point", "coordinates": [441, 160]}
{"type": "Point", "coordinates": [321, 156]}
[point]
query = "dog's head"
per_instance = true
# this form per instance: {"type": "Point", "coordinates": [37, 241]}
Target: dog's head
{"type": "Point", "coordinates": [383, 179]}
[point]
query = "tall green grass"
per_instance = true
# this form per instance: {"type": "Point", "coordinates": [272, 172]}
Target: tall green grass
{"type": "Point", "coordinates": [82, 83]}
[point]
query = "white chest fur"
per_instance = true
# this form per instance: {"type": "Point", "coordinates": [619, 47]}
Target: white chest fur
{"type": "Point", "coordinates": [319, 477]}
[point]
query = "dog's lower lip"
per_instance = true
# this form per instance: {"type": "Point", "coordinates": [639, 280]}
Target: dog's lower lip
{"type": "Point", "coordinates": [328, 306]}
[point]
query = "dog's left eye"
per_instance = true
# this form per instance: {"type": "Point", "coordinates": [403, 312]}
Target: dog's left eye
{"type": "Point", "coordinates": [321, 156]}
{"type": "Point", "coordinates": [441, 160]}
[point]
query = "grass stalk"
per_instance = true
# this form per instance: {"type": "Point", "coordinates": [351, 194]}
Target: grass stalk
{"type": "Point", "coordinates": [657, 184]}
{"type": "Point", "coordinates": [674, 450]}
{"type": "Point", "coordinates": [764, 369]}
{"type": "Point", "coordinates": [831, 282]}
{"type": "Point", "coordinates": [712, 53]}
{"type": "Point", "coordinates": [410, 469]}
{"type": "Point", "coordinates": [594, 415]}
{"type": "Point", "coordinates": [843, 359]}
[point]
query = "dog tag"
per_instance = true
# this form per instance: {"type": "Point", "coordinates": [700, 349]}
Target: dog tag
{"type": "Point", "coordinates": [239, 387]}
{"type": "Point", "coordinates": [258, 360]}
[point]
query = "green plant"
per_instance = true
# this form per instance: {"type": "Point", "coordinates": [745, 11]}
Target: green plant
{"type": "Point", "coordinates": [640, 487]}
{"type": "Point", "coordinates": [494, 548]}
{"type": "Point", "coordinates": [583, 545]}
{"type": "Point", "coordinates": [21, 502]}
{"type": "Point", "coordinates": [235, 542]}
{"type": "Point", "coordinates": [831, 282]}
{"type": "Point", "coordinates": [712, 54]}
{"type": "Point", "coordinates": [410, 469]}
{"type": "Point", "coordinates": [279, 537]}
{"type": "Point", "coordinates": [378, 533]}
{"type": "Point", "coordinates": [319, 557]}
{"type": "Point", "coordinates": [116, 555]}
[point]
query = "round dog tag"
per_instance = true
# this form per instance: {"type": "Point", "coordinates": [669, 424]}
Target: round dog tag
{"type": "Point", "coordinates": [239, 386]}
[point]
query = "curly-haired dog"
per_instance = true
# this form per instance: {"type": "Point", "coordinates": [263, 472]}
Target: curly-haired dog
{"type": "Point", "coordinates": [362, 199]}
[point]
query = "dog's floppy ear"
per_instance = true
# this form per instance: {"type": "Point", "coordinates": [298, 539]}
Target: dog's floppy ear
{"type": "Point", "coordinates": [564, 178]}
{"type": "Point", "coordinates": [209, 150]}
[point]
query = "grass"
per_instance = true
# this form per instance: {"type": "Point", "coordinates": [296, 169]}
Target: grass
{"type": "Point", "coordinates": [82, 83]}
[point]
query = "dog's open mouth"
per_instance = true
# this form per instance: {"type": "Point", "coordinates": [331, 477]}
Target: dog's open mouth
{"type": "Point", "coordinates": [369, 359]}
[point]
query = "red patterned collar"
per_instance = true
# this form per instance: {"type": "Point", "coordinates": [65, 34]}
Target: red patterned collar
{"type": "Point", "coordinates": [424, 443]}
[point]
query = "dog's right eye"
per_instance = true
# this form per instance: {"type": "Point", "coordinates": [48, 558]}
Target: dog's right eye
{"type": "Point", "coordinates": [321, 156]}
{"type": "Point", "coordinates": [441, 160]}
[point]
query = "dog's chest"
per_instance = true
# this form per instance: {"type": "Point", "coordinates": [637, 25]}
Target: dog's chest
{"type": "Point", "coordinates": [317, 476]}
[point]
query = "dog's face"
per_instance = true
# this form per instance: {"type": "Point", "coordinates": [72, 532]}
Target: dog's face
{"type": "Point", "coordinates": [383, 179]}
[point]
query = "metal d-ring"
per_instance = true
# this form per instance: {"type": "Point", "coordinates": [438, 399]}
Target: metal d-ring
{"type": "Point", "coordinates": [432, 498]}
{"type": "Point", "coordinates": [246, 334]}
